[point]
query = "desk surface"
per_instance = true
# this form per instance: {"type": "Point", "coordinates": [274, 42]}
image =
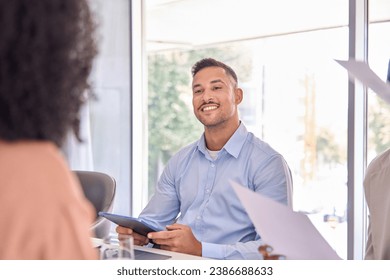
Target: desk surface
{"type": "Point", "coordinates": [173, 255]}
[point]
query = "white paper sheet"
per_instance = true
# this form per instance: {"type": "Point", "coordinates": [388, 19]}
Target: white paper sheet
{"type": "Point", "coordinates": [289, 233]}
{"type": "Point", "coordinates": [361, 71]}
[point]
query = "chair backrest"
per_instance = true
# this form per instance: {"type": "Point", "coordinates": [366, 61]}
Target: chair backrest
{"type": "Point", "coordinates": [99, 189]}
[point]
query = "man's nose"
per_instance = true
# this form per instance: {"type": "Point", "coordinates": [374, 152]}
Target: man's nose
{"type": "Point", "coordinates": [207, 95]}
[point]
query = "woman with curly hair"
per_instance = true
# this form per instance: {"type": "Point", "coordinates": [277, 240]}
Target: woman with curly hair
{"type": "Point", "coordinates": [46, 53]}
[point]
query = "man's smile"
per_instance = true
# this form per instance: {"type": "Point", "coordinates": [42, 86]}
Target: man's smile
{"type": "Point", "coordinates": [209, 107]}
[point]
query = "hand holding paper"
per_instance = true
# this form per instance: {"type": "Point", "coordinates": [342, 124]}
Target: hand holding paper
{"type": "Point", "coordinates": [361, 71]}
{"type": "Point", "coordinates": [289, 233]}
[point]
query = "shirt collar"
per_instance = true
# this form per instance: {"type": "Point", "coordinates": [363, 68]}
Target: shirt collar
{"type": "Point", "coordinates": [233, 145]}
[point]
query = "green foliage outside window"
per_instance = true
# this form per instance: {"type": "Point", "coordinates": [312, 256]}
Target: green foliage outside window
{"type": "Point", "coordinates": [171, 122]}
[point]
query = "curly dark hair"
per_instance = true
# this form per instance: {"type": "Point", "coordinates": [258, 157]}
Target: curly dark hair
{"type": "Point", "coordinates": [46, 53]}
{"type": "Point", "coordinates": [211, 62]}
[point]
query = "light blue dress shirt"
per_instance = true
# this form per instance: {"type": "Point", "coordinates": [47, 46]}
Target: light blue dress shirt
{"type": "Point", "coordinates": [197, 187]}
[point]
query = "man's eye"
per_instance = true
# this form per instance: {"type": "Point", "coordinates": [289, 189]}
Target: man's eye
{"type": "Point", "coordinates": [198, 91]}
{"type": "Point", "coordinates": [217, 88]}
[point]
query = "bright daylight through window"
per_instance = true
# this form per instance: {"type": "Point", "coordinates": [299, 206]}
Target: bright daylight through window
{"type": "Point", "coordinates": [295, 94]}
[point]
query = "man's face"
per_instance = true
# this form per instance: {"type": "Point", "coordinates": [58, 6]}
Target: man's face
{"type": "Point", "coordinates": [215, 97]}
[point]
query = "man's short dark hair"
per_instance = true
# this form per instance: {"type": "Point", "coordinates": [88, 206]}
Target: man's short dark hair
{"type": "Point", "coordinates": [46, 53]}
{"type": "Point", "coordinates": [211, 62]}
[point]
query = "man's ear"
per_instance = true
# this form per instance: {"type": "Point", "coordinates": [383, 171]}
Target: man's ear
{"type": "Point", "coordinates": [239, 94]}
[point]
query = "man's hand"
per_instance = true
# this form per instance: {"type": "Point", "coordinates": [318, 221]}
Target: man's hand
{"type": "Point", "coordinates": [177, 238]}
{"type": "Point", "coordinates": [266, 251]}
{"type": "Point", "coordinates": [138, 239]}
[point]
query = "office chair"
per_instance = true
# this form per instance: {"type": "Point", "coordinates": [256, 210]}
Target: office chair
{"type": "Point", "coordinates": [99, 189]}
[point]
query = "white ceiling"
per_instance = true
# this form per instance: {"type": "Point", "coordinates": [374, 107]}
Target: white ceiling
{"type": "Point", "coordinates": [192, 23]}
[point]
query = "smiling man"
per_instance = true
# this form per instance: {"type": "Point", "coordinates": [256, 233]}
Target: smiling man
{"type": "Point", "coordinates": [194, 201]}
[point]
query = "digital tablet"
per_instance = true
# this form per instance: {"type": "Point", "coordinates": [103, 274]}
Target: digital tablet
{"type": "Point", "coordinates": [134, 223]}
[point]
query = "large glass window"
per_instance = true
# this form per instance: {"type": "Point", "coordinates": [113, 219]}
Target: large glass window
{"type": "Point", "coordinates": [106, 119]}
{"type": "Point", "coordinates": [295, 95]}
{"type": "Point", "coordinates": [110, 114]}
{"type": "Point", "coordinates": [378, 111]}
{"type": "Point", "coordinates": [378, 58]}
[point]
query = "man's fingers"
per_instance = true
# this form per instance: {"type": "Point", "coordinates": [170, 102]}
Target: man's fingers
{"type": "Point", "coordinates": [160, 241]}
{"type": "Point", "coordinates": [276, 257]}
{"type": "Point", "coordinates": [162, 235]}
{"type": "Point", "coordinates": [124, 233]}
{"type": "Point", "coordinates": [265, 250]}
{"type": "Point", "coordinates": [137, 239]}
{"type": "Point", "coordinates": [123, 230]}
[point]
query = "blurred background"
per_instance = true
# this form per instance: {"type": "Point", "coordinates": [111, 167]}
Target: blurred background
{"type": "Point", "coordinates": [296, 97]}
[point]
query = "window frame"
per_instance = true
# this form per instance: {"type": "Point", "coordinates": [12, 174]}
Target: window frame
{"type": "Point", "coordinates": [357, 122]}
